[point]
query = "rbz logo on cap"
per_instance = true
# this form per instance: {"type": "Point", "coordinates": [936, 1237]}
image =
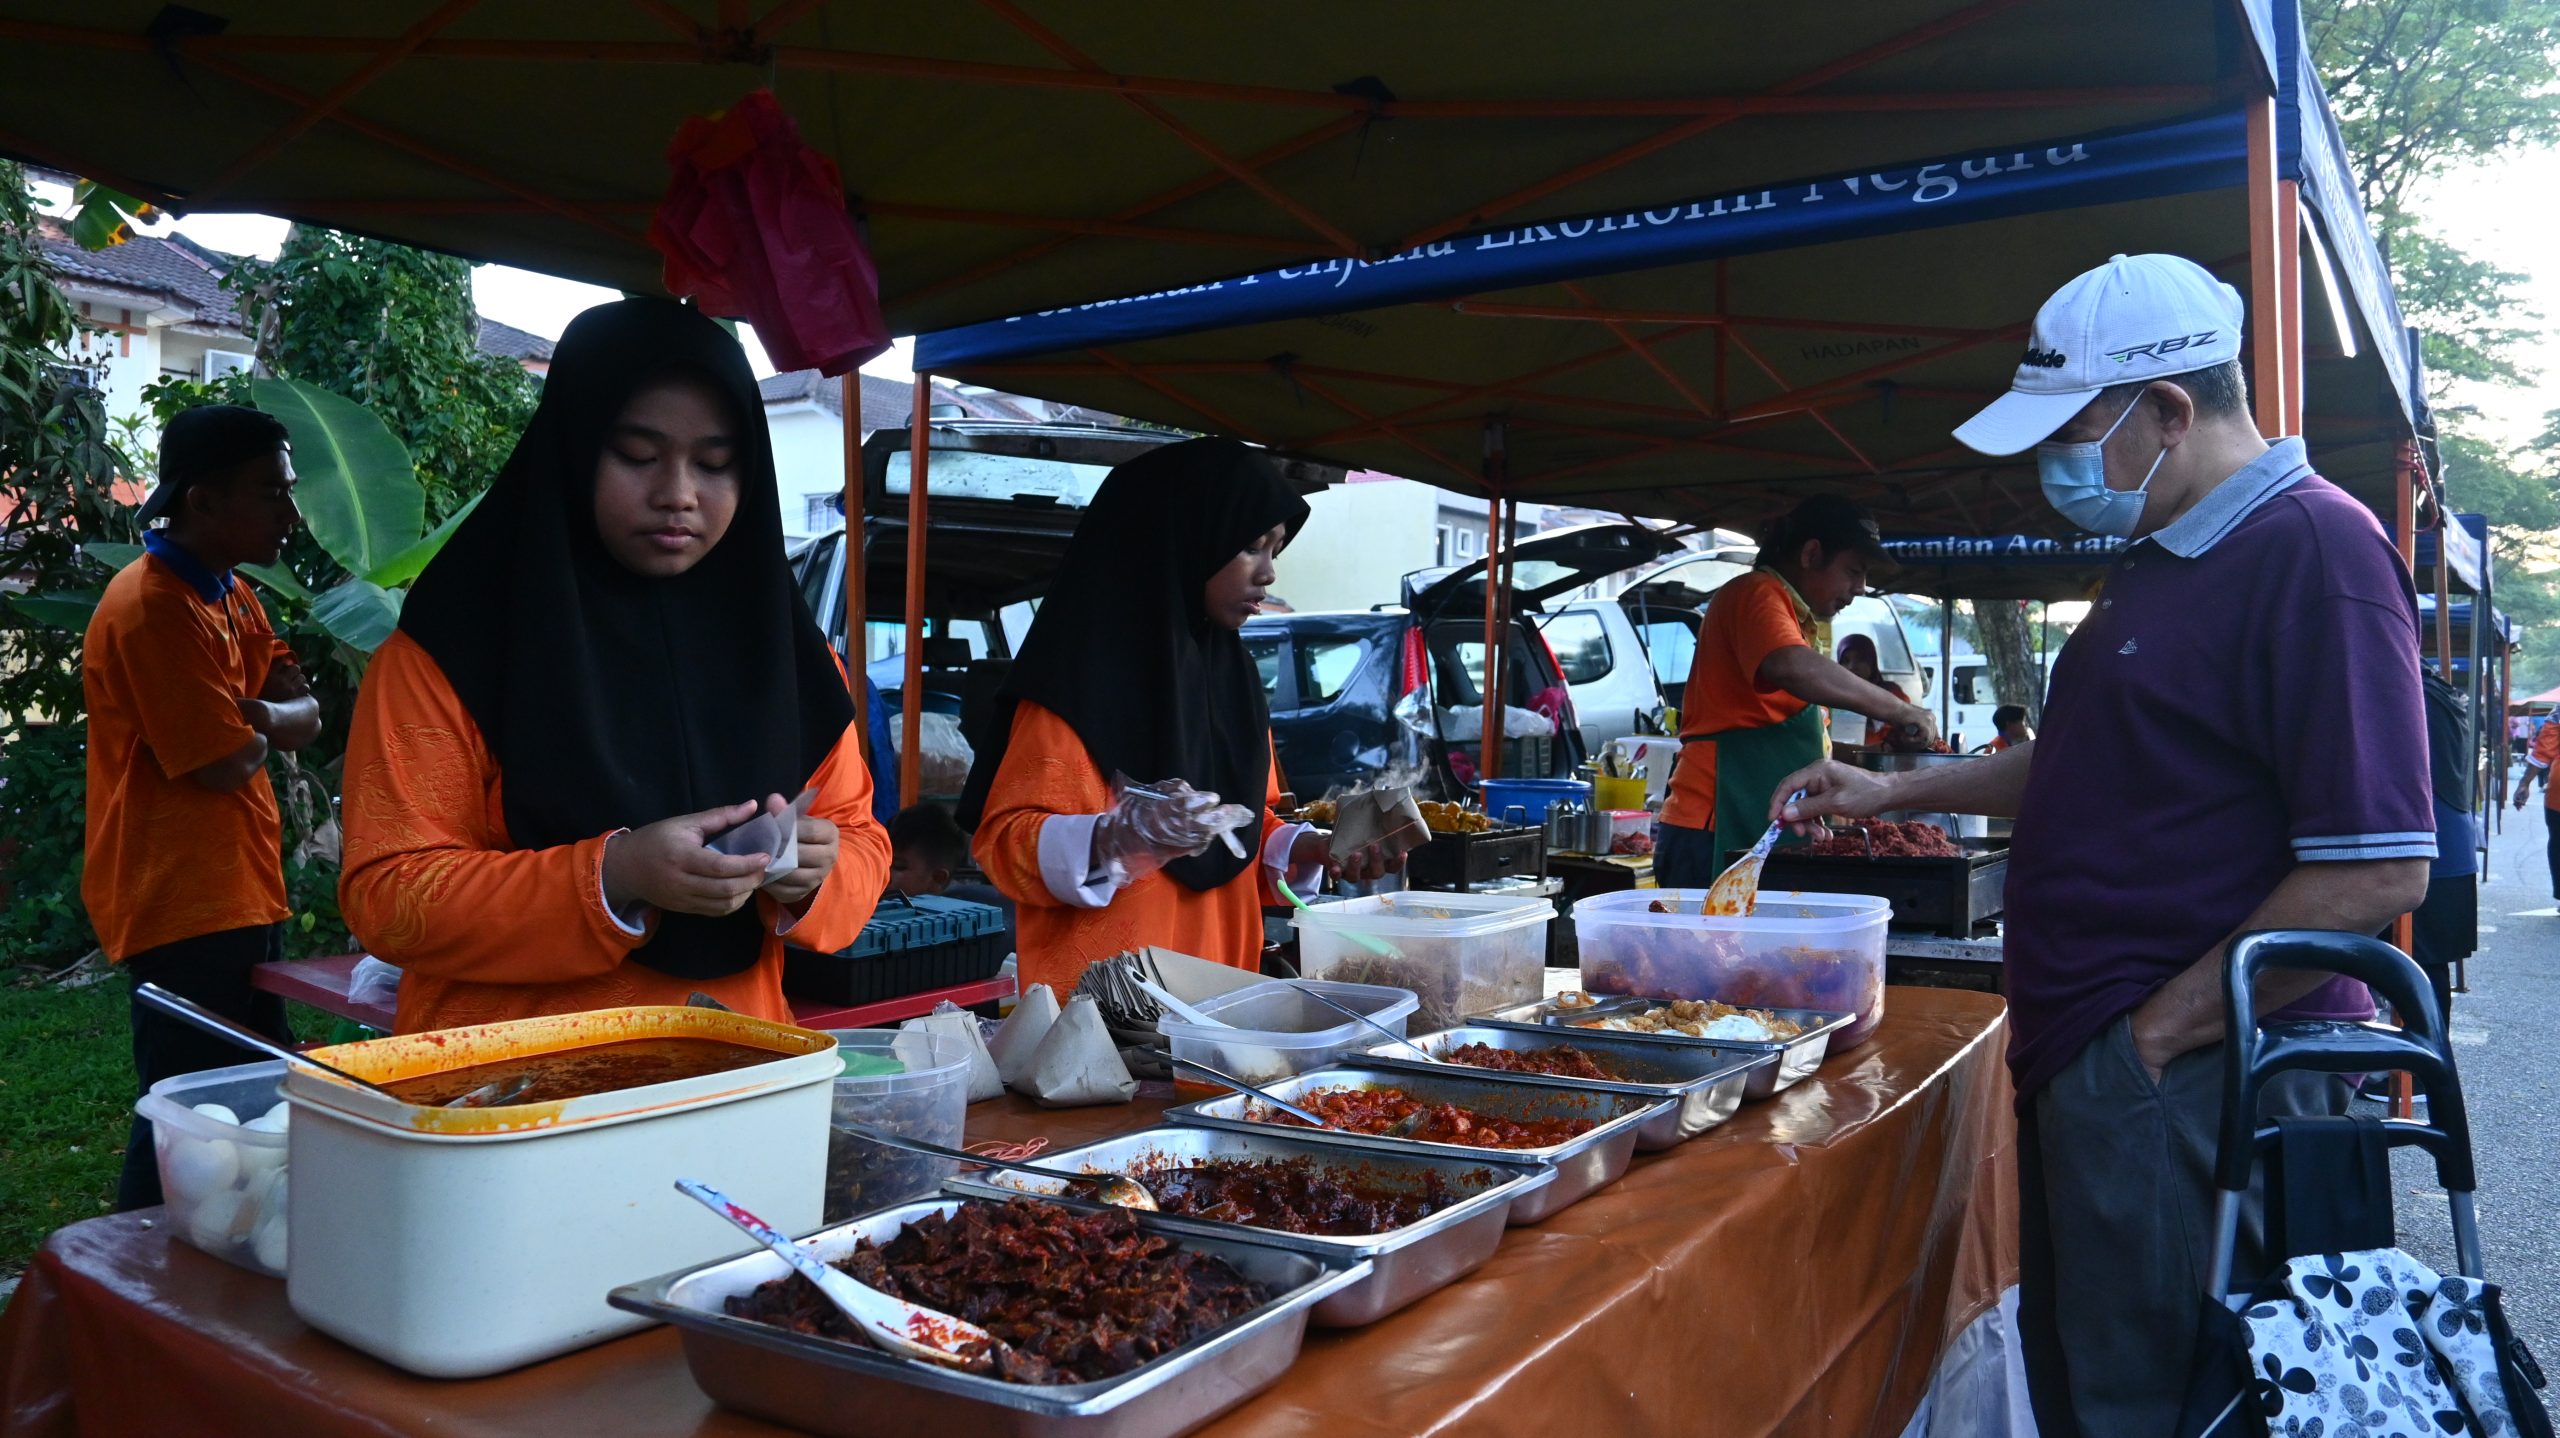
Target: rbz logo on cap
{"type": "Point", "coordinates": [2161, 349]}
{"type": "Point", "coordinates": [2042, 359]}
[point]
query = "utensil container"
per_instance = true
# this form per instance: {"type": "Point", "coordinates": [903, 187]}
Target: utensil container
{"type": "Point", "coordinates": [460, 1242]}
{"type": "Point", "coordinates": [1458, 953]}
{"type": "Point", "coordinates": [1275, 1031]}
{"type": "Point", "coordinates": [1795, 951]}
{"type": "Point", "coordinates": [912, 1083]}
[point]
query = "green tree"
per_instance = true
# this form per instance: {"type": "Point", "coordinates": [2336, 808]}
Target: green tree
{"type": "Point", "coordinates": [394, 329]}
{"type": "Point", "coordinates": [2422, 87]}
{"type": "Point", "coordinates": [59, 467]}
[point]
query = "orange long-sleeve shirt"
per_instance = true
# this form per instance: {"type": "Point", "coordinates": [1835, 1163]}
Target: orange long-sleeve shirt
{"type": "Point", "coordinates": [1046, 773]}
{"type": "Point", "coordinates": [485, 931]}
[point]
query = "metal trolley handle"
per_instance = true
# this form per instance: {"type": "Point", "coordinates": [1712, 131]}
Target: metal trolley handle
{"type": "Point", "coordinates": [2251, 1056]}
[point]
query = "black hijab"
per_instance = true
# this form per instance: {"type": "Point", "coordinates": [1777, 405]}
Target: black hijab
{"type": "Point", "coordinates": [1123, 647]}
{"type": "Point", "coordinates": [610, 699]}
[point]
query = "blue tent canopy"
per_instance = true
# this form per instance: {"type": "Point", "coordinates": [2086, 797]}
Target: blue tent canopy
{"type": "Point", "coordinates": [1735, 347]}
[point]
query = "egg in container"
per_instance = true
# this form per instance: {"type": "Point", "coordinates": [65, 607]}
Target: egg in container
{"type": "Point", "coordinates": [220, 1139]}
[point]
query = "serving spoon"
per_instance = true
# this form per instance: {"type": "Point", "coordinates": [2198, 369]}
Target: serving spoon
{"type": "Point", "coordinates": [1118, 1190]}
{"type": "Point", "coordinates": [903, 1328]}
{"type": "Point", "coordinates": [1736, 891]}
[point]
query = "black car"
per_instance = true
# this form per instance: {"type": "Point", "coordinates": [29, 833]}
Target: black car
{"type": "Point", "coordinates": [1347, 688]}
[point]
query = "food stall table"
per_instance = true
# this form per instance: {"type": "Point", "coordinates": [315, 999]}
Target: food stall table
{"type": "Point", "coordinates": [1797, 1271]}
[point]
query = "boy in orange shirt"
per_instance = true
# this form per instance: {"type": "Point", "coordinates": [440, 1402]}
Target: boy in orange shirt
{"type": "Point", "coordinates": [188, 691]}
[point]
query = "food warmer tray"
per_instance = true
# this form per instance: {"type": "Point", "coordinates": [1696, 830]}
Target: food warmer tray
{"type": "Point", "coordinates": [1705, 1082]}
{"type": "Point", "coordinates": [1797, 1056]}
{"type": "Point", "coordinates": [853, 1390]}
{"type": "Point", "coordinates": [1935, 895]}
{"type": "Point", "coordinates": [1456, 860]}
{"type": "Point", "coordinates": [1582, 1163]}
{"type": "Point", "coordinates": [1405, 1264]}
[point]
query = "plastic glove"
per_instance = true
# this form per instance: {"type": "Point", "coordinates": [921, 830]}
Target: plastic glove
{"type": "Point", "coordinates": [1150, 825]}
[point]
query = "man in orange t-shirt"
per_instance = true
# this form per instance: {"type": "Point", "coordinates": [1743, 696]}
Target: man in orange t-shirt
{"type": "Point", "coordinates": [2537, 766]}
{"type": "Point", "coordinates": [1750, 714]}
{"type": "Point", "coordinates": [188, 691]}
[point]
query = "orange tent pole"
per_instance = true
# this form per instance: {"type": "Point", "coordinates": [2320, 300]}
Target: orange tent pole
{"type": "Point", "coordinates": [857, 599]}
{"type": "Point", "coordinates": [919, 462]}
{"type": "Point", "coordinates": [1489, 739]}
{"type": "Point", "coordinates": [2268, 385]}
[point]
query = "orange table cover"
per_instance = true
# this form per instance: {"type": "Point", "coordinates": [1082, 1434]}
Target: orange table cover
{"type": "Point", "coordinates": [1796, 1271]}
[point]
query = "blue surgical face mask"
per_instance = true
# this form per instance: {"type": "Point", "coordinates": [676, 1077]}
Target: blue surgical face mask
{"type": "Point", "coordinates": [2075, 483]}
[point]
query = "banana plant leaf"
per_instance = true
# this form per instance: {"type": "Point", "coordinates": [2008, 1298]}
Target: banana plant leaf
{"type": "Point", "coordinates": [279, 580]}
{"type": "Point", "coordinates": [113, 556]}
{"type": "Point", "coordinates": [357, 613]}
{"type": "Point", "coordinates": [68, 610]}
{"type": "Point", "coordinates": [358, 487]}
{"type": "Point", "coordinates": [411, 562]}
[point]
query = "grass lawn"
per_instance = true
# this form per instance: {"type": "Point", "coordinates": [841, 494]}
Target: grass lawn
{"type": "Point", "coordinates": [66, 1106]}
{"type": "Point", "coordinates": [66, 1099]}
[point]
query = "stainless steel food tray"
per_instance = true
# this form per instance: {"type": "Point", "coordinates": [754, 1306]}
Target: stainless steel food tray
{"type": "Point", "coordinates": [1582, 1163]}
{"type": "Point", "coordinates": [1405, 1264]}
{"type": "Point", "coordinates": [1797, 1056]}
{"type": "Point", "coordinates": [853, 1390]}
{"type": "Point", "coordinates": [1705, 1082]}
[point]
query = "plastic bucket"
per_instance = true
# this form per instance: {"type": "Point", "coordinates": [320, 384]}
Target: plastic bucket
{"type": "Point", "coordinates": [1532, 796]}
{"type": "Point", "coordinates": [909, 1082]}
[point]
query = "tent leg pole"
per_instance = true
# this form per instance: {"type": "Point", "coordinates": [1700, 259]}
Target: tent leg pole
{"type": "Point", "coordinates": [1489, 739]}
{"type": "Point", "coordinates": [1946, 664]}
{"type": "Point", "coordinates": [857, 653]}
{"type": "Point", "coordinates": [2288, 226]}
{"type": "Point", "coordinates": [919, 463]}
{"type": "Point", "coordinates": [2268, 386]}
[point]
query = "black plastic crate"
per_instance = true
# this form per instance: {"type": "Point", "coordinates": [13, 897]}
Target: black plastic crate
{"type": "Point", "coordinates": [910, 945]}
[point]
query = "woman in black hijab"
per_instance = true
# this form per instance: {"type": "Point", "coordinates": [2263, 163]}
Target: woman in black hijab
{"type": "Point", "coordinates": [607, 666]}
{"type": "Point", "coordinates": [1134, 673]}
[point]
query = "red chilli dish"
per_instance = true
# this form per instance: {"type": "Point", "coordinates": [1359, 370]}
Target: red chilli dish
{"type": "Point", "coordinates": [1375, 1110]}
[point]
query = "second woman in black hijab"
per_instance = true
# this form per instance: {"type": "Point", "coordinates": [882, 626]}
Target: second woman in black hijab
{"type": "Point", "coordinates": [607, 665]}
{"type": "Point", "coordinates": [1134, 670]}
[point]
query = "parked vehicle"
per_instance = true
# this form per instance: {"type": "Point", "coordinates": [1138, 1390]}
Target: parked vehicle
{"type": "Point", "coordinates": [1005, 497]}
{"type": "Point", "coordinates": [1344, 686]}
{"type": "Point", "coordinates": [1667, 604]}
{"type": "Point", "coordinates": [1608, 668]}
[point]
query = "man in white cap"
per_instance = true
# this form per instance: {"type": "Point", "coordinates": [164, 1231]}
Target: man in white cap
{"type": "Point", "coordinates": [2234, 740]}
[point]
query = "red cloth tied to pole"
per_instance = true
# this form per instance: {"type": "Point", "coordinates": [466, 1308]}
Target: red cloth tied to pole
{"type": "Point", "coordinates": [754, 227]}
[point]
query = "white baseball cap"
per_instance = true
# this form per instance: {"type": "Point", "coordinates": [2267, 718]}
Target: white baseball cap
{"type": "Point", "coordinates": [2134, 318]}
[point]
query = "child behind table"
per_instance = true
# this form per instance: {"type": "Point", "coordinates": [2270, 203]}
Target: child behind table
{"type": "Point", "coordinates": [927, 848]}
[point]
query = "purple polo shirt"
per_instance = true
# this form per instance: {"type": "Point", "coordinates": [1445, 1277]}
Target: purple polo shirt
{"type": "Point", "coordinates": [2243, 698]}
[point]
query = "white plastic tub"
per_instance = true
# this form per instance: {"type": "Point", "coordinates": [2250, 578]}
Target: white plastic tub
{"type": "Point", "coordinates": [1796, 951]}
{"type": "Point", "coordinates": [1459, 954]}
{"type": "Point", "coordinates": [455, 1243]}
{"type": "Point", "coordinates": [224, 1182]}
{"type": "Point", "coordinates": [1276, 1031]}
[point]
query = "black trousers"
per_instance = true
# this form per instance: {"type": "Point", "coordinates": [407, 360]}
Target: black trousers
{"type": "Point", "coordinates": [2551, 847]}
{"type": "Point", "coordinates": [213, 970]}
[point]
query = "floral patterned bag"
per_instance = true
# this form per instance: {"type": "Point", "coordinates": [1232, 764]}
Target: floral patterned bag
{"type": "Point", "coordinates": [2376, 1343]}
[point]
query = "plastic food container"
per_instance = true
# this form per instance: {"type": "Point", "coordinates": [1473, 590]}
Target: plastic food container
{"type": "Point", "coordinates": [224, 1181]}
{"type": "Point", "coordinates": [1278, 1031]}
{"type": "Point", "coordinates": [913, 1083]}
{"type": "Point", "coordinates": [1459, 954]}
{"type": "Point", "coordinates": [460, 1242]}
{"type": "Point", "coordinates": [1797, 951]}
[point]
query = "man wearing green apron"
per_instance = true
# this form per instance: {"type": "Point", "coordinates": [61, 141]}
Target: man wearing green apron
{"type": "Point", "coordinates": [1753, 707]}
